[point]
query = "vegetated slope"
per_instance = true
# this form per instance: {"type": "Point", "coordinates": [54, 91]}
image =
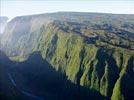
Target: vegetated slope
{"type": "Point", "coordinates": [36, 79]}
{"type": "Point", "coordinates": [92, 50]}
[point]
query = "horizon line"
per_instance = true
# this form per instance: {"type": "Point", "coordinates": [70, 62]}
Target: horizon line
{"type": "Point", "coordinates": [34, 14]}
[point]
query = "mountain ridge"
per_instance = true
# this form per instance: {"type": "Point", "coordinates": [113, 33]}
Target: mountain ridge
{"type": "Point", "coordinates": [88, 48]}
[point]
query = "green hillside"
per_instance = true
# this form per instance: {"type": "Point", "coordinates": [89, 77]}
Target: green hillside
{"type": "Point", "coordinates": [93, 50]}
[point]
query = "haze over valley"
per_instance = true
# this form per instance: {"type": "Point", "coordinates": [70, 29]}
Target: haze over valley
{"type": "Point", "coordinates": [66, 55]}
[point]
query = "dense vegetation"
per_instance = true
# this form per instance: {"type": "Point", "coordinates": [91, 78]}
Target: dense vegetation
{"type": "Point", "coordinates": [92, 50]}
{"type": "Point", "coordinates": [35, 79]}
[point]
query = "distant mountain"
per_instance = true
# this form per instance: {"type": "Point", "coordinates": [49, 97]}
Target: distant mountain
{"type": "Point", "coordinates": [3, 22]}
{"type": "Point", "coordinates": [92, 50]}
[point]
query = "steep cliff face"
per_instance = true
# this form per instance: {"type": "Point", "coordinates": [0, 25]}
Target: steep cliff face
{"type": "Point", "coordinates": [91, 51]}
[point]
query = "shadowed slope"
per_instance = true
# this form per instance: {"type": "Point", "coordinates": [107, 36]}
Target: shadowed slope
{"type": "Point", "coordinates": [35, 79]}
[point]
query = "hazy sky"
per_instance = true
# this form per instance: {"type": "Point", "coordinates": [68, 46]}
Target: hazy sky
{"type": "Point", "coordinates": [12, 8]}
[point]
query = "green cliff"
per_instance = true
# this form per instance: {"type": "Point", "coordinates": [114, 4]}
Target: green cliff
{"type": "Point", "coordinates": [92, 51]}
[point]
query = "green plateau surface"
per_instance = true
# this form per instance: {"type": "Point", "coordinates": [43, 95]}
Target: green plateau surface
{"type": "Point", "coordinates": [95, 51]}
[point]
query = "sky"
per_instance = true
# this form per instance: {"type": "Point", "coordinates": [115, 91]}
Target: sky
{"type": "Point", "coordinates": [13, 8]}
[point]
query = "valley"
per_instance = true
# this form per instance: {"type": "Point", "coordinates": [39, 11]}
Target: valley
{"type": "Point", "coordinates": [70, 56]}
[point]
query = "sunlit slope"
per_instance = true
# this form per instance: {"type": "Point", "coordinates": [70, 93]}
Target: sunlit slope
{"type": "Point", "coordinates": [92, 50]}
